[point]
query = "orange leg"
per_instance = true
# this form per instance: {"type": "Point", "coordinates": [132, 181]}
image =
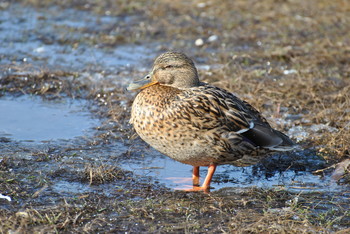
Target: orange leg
{"type": "Point", "coordinates": [206, 184]}
{"type": "Point", "coordinates": [211, 171]}
{"type": "Point", "coordinates": [195, 176]}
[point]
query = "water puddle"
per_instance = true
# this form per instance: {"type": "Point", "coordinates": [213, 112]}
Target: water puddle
{"type": "Point", "coordinates": [177, 175]}
{"type": "Point", "coordinates": [69, 188]}
{"type": "Point", "coordinates": [61, 38]}
{"type": "Point", "coordinates": [30, 118]}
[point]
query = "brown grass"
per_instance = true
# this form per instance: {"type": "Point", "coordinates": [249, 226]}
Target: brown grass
{"type": "Point", "coordinates": [102, 174]}
{"type": "Point", "coordinates": [258, 41]}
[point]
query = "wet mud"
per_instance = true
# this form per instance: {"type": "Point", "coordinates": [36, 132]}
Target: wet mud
{"type": "Point", "coordinates": [71, 162]}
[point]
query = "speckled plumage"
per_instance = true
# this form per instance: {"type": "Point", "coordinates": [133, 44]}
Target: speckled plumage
{"type": "Point", "coordinates": [199, 124]}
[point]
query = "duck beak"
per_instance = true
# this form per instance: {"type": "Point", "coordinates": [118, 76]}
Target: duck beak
{"type": "Point", "coordinates": [143, 83]}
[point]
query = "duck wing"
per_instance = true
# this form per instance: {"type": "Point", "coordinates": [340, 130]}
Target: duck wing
{"type": "Point", "coordinates": [212, 107]}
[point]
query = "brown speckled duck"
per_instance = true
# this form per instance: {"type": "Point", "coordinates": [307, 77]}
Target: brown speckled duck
{"type": "Point", "coordinates": [197, 123]}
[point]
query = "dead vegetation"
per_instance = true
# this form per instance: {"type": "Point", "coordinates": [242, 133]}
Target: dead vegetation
{"type": "Point", "coordinates": [284, 57]}
{"type": "Point", "coordinates": [40, 82]}
{"type": "Point", "coordinates": [102, 174]}
{"type": "Point", "coordinates": [250, 211]}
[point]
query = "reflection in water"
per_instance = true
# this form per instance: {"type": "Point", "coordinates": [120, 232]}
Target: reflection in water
{"type": "Point", "coordinates": [291, 172]}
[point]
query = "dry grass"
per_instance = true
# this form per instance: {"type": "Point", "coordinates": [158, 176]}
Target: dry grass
{"type": "Point", "coordinates": [259, 43]}
{"type": "Point", "coordinates": [25, 80]}
{"type": "Point", "coordinates": [102, 174]}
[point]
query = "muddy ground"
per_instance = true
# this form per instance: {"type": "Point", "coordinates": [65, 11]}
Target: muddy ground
{"type": "Point", "coordinates": [290, 59]}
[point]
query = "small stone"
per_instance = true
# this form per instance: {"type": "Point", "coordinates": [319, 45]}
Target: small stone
{"type": "Point", "coordinates": [341, 169]}
{"type": "Point", "coordinates": [199, 42]}
{"type": "Point", "coordinates": [212, 38]}
{"type": "Point", "coordinates": [22, 214]}
{"type": "Point", "coordinates": [201, 5]}
{"type": "Point", "coordinates": [291, 71]}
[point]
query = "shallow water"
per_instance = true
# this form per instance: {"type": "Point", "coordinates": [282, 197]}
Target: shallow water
{"type": "Point", "coordinates": [178, 176]}
{"type": "Point", "coordinates": [52, 39]}
{"type": "Point", "coordinates": [30, 118]}
{"type": "Point", "coordinates": [65, 39]}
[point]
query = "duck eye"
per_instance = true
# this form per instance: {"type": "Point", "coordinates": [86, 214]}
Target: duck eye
{"type": "Point", "coordinates": [167, 66]}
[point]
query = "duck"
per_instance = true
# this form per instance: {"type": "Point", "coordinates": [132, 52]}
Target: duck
{"type": "Point", "coordinates": [197, 123]}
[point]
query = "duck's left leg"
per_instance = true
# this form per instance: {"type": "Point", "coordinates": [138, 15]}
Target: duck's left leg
{"type": "Point", "coordinates": [195, 176]}
{"type": "Point", "coordinates": [206, 184]}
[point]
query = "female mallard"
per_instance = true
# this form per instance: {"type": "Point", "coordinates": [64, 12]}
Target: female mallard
{"type": "Point", "coordinates": [199, 124]}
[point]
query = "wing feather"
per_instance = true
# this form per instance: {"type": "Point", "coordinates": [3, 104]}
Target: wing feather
{"type": "Point", "coordinates": [213, 107]}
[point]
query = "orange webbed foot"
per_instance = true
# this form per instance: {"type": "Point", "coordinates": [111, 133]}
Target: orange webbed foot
{"type": "Point", "coordinates": [188, 188]}
{"type": "Point", "coordinates": [195, 179]}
